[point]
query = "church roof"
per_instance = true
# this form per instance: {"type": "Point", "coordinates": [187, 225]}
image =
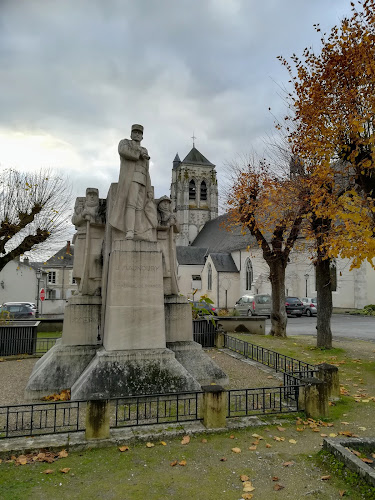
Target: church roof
{"type": "Point", "coordinates": [191, 256]}
{"type": "Point", "coordinates": [223, 262]}
{"type": "Point", "coordinates": [197, 158]}
{"type": "Point", "coordinates": [214, 237]}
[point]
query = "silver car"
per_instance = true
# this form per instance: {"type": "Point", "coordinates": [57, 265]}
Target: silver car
{"type": "Point", "coordinates": [254, 305]}
{"type": "Point", "coordinates": [310, 306]}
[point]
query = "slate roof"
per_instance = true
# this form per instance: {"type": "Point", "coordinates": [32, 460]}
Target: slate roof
{"type": "Point", "coordinates": [223, 262]}
{"type": "Point", "coordinates": [196, 158]}
{"type": "Point", "coordinates": [217, 239]}
{"type": "Point", "coordinates": [64, 257]}
{"type": "Point", "coordinates": [191, 255]}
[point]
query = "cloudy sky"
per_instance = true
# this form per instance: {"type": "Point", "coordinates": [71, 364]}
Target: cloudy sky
{"type": "Point", "coordinates": [75, 74]}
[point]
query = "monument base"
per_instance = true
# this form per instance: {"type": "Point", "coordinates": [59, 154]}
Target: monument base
{"type": "Point", "coordinates": [82, 320]}
{"type": "Point", "coordinates": [113, 374]}
{"type": "Point", "coordinates": [58, 369]}
{"type": "Point", "coordinates": [198, 363]}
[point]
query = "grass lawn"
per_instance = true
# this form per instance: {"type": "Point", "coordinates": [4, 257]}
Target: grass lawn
{"type": "Point", "coordinates": [44, 335]}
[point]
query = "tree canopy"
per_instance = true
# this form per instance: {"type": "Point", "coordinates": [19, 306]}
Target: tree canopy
{"type": "Point", "coordinates": [34, 212]}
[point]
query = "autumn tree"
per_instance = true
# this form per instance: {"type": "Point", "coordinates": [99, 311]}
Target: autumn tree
{"type": "Point", "coordinates": [272, 209]}
{"type": "Point", "coordinates": [34, 212]}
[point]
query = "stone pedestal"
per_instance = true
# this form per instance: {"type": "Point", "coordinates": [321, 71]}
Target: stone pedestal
{"type": "Point", "coordinates": [134, 314]}
{"type": "Point", "coordinates": [178, 319]}
{"type": "Point", "coordinates": [58, 369]}
{"type": "Point", "coordinates": [215, 407]}
{"type": "Point", "coordinates": [82, 320]}
{"type": "Point", "coordinates": [198, 363]}
{"type": "Point", "coordinates": [114, 374]}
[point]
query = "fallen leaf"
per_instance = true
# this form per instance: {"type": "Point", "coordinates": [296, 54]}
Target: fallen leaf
{"type": "Point", "coordinates": [292, 441]}
{"type": "Point", "coordinates": [287, 464]}
{"type": "Point", "coordinates": [243, 477]}
{"type": "Point", "coordinates": [268, 445]}
{"type": "Point", "coordinates": [256, 442]}
{"type": "Point", "coordinates": [342, 493]}
{"type": "Point", "coordinates": [185, 440]}
{"type": "Point", "coordinates": [65, 470]}
{"type": "Point", "coordinates": [270, 376]}
{"type": "Point", "coordinates": [365, 400]}
{"type": "Point", "coordinates": [231, 437]}
{"type": "Point", "coordinates": [236, 450]}
{"type": "Point", "coordinates": [172, 464]}
{"type": "Point", "coordinates": [345, 423]}
{"type": "Point", "coordinates": [332, 435]}
{"type": "Point", "coordinates": [278, 487]}
{"type": "Point", "coordinates": [300, 429]}
{"type": "Point", "coordinates": [163, 443]}
{"type": "Point", "coordinates": [252, 448]}
{"type": "Point", "coordinates": [256, 436]}
{"type": "Point", "coordinates": [277, 438]}
{"type": "Point", "coordinates": [47, 471]}
{"type": "Point", "coordinates": [281, 429]}
{"type": "Point", "coordinates": [124, 448]}
{"type": "Point", "coordinates": [223, 459]}
{"type": "Point", "coordinates": [275, 478]}
{"type": "Point", "coordinates": [204, 441]}
{"type": "Point", "coordinates": [324, 435]}
{"type": "Point", "coordinates": [367, 460]}
{"type": "Point", "coordinates": [21, 460]}
{"type": "Point", "coordinates": [247, 496]}
{"type": "Point", "coordinates": [150, 445]}
{"type": "Point", "coordinates": [362, 428]}
{"type": "Point", "coordinates": [182, 463]}
{"type": "Point", "coordinates": [63, 454]}
{"type": "Point", "coordinates": [248, 487]}
{"type": "Point", "coordinates": [325, 478]}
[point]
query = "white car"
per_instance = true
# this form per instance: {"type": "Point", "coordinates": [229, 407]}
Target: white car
{"type": "Point", "coordinates": [310, 306]}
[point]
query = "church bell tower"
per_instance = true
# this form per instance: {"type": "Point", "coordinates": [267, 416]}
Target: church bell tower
{"type": "Point", "coordinates": [194, 194]}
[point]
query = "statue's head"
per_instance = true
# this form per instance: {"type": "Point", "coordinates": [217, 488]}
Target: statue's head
{"type": "Point", "coordinates": [137, 133]}
{"type": "Point", "coordinates": [92, 196]}
{"type": "Point", "coordinates": [164, 204]}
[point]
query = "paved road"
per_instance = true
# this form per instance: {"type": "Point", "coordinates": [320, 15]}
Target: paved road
{"type": "Point", "coordinates": [342, 325]}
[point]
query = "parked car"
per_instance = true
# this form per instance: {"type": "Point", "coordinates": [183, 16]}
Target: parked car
{"type": "Point", "coordinates": [201, 307]}
{"type": "Point", "coordinates": [254, 305]}
{"type": "Point", "coordinates": [310, 306]}
{"type": "Point", "coordinates": [294, 306]}
{"type": "Point", "coordinates": [18, 310]}
{"type": "Point", "coordinates": [31, 304]}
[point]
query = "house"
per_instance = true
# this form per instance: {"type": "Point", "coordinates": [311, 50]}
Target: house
{"type": "Point", "coordinates": [224, 265]}
{"type": "Point", "coordinates": [18, 282]}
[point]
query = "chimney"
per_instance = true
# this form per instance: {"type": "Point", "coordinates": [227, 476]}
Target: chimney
{"type": "Point", "coordinates": [68, 247]}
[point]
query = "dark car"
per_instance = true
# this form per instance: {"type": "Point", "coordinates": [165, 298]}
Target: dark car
{"type": "Point", "coordinates": [18, 311]}
{"type": "Point", "coordinates": [294, 306]}
{"type": "Point", "coordinates": [201, 308]}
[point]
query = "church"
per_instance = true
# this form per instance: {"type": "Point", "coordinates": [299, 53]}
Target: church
{"type": "Point", "coordinates": [224, 265]}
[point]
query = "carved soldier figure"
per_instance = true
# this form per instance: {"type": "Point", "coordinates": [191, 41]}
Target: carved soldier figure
{"type": "Point", "coordinates": [134, 211]}
{"type": "Point", "coordinates": [167, 228]}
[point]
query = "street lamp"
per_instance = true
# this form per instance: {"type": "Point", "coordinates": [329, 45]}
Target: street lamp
{"type": "Point", "coordinates": [306, 278]}
{"type": "Point", "coordinates": [38, 277]}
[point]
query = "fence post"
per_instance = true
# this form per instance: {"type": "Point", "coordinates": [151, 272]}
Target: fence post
{"type": "Point", "coordinates": [330, 375]}
{"type": "Point", "coordinates": [97, 419]}
{"type": "Point", "coordinates": [214, 406]}
{"type": "Point", "coordinates": [219, 338]}
{"type": "Point", "coordinates": [313, 397]}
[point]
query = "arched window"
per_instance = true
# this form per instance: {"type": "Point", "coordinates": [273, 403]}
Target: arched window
{"type": "Point", "coordinates": [249, 274]}
{"type": "Point", "coordinates": [209, 277]}
{"type": "Point", "coordinates": [333, 273]}
{"type": "Point", "coordinates": [192, 190]}
{"type": "Point", "coordinates": [203, 191]}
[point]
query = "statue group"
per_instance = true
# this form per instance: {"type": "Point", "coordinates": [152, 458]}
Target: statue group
{"type": "Point", "coordinates": [127, 330]}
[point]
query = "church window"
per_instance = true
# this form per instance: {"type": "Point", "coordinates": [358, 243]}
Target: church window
{"type": "Point", "coordinates": [203, 191]}
{"type": "Point", "coordinates": [209, 277]}
{"type": "Point", "coordinates": [192, 190]}
{"type": "Point", "coordinates": [249, 274]}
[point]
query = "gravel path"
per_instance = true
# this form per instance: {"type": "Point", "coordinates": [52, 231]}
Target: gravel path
{"type": "Point", "coordinates": [14, 375]}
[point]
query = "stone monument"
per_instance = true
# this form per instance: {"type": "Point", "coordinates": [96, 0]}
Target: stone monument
{"type": "Point", "coordinates": [127, 331]}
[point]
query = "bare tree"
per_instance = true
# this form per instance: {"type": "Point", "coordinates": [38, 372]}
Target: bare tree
{"type": "Point", "coordinates": [34, 212]}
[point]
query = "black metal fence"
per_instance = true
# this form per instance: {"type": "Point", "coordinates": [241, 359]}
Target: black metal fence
{"type": "Point", "coordinates": [26, 345]}
{"type": "Point", "coordinates": [204, 332]}
{"type": "Point", "coordinates": [279, 362]}
{"type": "Point", "coordinates": [17, 337]}
{"type": "Point", "coordinates": [264, 400]}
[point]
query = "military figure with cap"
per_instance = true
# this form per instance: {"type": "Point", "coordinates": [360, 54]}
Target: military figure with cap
{"type": "Point", "coordinates": [133, 211]}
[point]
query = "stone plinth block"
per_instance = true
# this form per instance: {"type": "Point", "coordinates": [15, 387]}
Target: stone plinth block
{"type": "Point", "coordinates": [178, 319]}
{"type": "Point", "coordinates": [82, 320]}
{"type": "Point", "coordinates": [313, 397]}
{"type": "Point", "coordinates": [58, 369]}
{"type": "Point", "coordinates": [97, 419]}
{"type": "Point", "coordinates": [134, 313]}
{"type": "Point", "coordinates": [215, 406]}
{"type": "Point", "coordinates": [198, 363]}
{"type": "Point", "coordinates": [113, 374]}
{"type": "Point", "coordinates": [330, 375]}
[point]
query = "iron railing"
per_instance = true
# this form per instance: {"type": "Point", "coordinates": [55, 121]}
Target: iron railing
{"type": "Point", "coordinates": [279, 362]}
{"type": "Point", "coordinates": [264, 400]}
{"type": "Point", "coordinates": [204, 332]}
{"type": "Point", "coordinates": [30, 346]}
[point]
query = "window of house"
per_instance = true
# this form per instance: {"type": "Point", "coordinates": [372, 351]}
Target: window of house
{"type": "Point", "coordinates": [203, 191]}
{"type": "Point", "coordinates": [52, 277]}
{"type": "Point", "coordinates": [51, 294]}
{"type": "Point", "coordinates": [209, 277]}
{"type": "Point", "coordinates": [249, 274]}
{"type": "Point", "coordinates": [74, 282]}
{"type": "Point", "coordinates": [192, 190]}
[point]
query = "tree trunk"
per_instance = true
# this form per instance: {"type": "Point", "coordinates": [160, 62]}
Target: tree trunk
{"type": "Point", "coordinates": [278, 314]}
{"type": "Point", "coordinates": [324, 292]}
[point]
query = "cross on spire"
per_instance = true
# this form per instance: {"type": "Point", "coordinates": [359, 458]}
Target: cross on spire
{"type": "Point", "coordinates": [193, 137]}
